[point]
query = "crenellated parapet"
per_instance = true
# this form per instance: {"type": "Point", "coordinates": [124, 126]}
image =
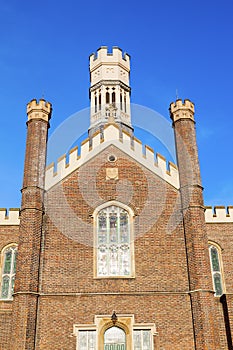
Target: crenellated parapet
{"type": "Point", "coordinates": [10, 217]}
{"type": "Point", "coordinates": [103, 57]}
{"type": "Point", "coordinates": [219, 214]}
{"type": "Point", "coordinates": [39, 109]}
{"type": "Point", "coordinates": [182, 110]}
{"type": "Point", "coordinates": [109, 67]}
{"type": "Point", "coordinates": [123, 141]}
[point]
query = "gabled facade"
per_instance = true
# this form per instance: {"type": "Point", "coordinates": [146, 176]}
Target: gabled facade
{"type": "Point", "coordinates": [115, 251]}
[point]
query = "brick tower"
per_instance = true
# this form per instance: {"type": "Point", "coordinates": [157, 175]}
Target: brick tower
{"type": "Point", "coordinates": [27, 279]}
{"type": "Point", "coordinates": [201, 293]}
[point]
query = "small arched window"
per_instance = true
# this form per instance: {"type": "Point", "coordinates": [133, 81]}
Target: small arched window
{"type": "Point", "coordinates": [107, 97]}
{"type": "Point", "coordinates": [114, 338]}
{"type": "Point", "coordinates": [99, 101]}
{"type": "Point", "coordinates": [216, 269]}
{"type": "Point", "coordinates": [125, 102]}
{"type": "Point", "coordinates": [113, 242]}
{"type": "Point", "coordinates": [121, 107]}
{"type": "Point", "coordinates": [8, 272]}
{"type": "Point", "coordinates": [95, 103]}
{"type": "Point", "coordinates": [113, 98]}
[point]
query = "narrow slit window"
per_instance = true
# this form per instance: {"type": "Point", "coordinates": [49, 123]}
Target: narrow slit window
{"type": "Point", "coordinates": [107, 97]}
{"type": "Point", "coordinates": [99, 101]}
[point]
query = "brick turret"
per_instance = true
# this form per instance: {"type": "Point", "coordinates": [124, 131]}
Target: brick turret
{"type": "Point", "coordinates": [28, 261]}
{"type": "Point", "coordinates": [201, 294]}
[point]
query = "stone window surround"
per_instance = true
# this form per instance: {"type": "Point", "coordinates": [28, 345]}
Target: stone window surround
{"type": "Point", "coordinates": [219, 249]}
{"type": "Point", "coordinates": [2, 255]}
{"type": "Point", "coordinates": [124, 321]}
{"type": "Point", "coordinates": [131, 222]}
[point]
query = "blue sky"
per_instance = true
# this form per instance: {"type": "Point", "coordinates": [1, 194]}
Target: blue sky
{"type": "Point", "coordinates": [174, 46]}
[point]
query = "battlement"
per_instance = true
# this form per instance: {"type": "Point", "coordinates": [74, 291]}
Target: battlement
{"type": "Point", "coordinates": [180, 109]}
{"type": "Point", "coordinates": [219, 214]}
{"type": "Point", "coordinates": [9, 218]}
{"type": "Point", "coordinates": [104, 57]}
{"type": "Point", "coordinates": [142, 154]}
{"type": "Point", "coordinates": [39, 110]}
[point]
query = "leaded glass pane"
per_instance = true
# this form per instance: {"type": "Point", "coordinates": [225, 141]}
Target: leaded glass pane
{"type": "Point", "coordinates": [82, 340]}
{"type": "Point", "coordinates": [124, 232]}
{"type": "Point", "coordinates": [137, 340]}
{"type": "Point", "coordinates": [91, 340]}
{"type": "Point", "coordinates": [87, 340]}
{"type": "Point", "coordinates": [114, 339]}
{"type": "Point", "coordinates": [124, 260]}
{"type": "Point", "coordinates": [142, 340]}
{"type": "Point", "coordinates": [113, 227]}
{"type": "Point", "coordinates": [14, 261]}
{"type": "Point", "coordinates": [113, 260]}
{"type": "Point", "coordinates": [214, 259]}
{"type": "Point", "coordinates": [146, 340]}
{"type": "Point", "coordinates": [5, 287]}
{"type": "Point", "coordinates": [7, 262]}
{"type": "Point", "coordinates": [12, 284]}
{"type": "Point", "coordinates": [102, 260]}
{"type": "Point", "coordinates": [217, 283]}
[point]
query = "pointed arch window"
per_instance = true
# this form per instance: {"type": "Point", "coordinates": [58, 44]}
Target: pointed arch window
{"type": "Point", "coordinates": [107, 97]}
{"type": "Point", "coordinates": [8, 272]}
{"type": "Point", "coordinates": [113, 98]}
{"type": "Point", "coordinates": [114, 247]}
{"type": "Point", "coordinates": [121, 105]}
{"type": "Point", "coordinates": [216, 269]}
{"type": "Point", "coordinates": [99, 100]}
{"type": "Point", "coordinates": [95, 103]}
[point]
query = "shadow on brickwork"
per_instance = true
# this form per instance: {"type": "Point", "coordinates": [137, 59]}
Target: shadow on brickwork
{"type": "Point", "coordinates": [223, 300]}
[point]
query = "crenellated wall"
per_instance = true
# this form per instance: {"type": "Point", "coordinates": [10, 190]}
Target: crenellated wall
{"type": "Point", "coordinates": [10, 217]}
{"type": "Point", "coordinates": [142, 154]}
{"type": "Point", "coordinates": [218, 214]}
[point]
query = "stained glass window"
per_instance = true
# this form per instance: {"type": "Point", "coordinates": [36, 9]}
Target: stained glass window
{"type": "Point", "coordinates": [8, 273]}
{"type": "Point", "coordinates": [216, 270]}
{"type": "Point", "coordinates": [142, 339]}
{"type": "Point", "coordinates": [113, 242]}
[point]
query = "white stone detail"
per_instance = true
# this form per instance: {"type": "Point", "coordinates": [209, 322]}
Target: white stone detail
{"type": "Point", "coordinates": [10, 218]}
{"type": "Point", "coordinates": [219, 214]}
{"type": "Point", "coordinates": [112, 137]}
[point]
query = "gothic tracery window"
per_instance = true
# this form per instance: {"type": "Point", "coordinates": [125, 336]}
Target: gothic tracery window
{"type": "Point", "coordinates": [216, 269]}
{"type": "Point", "coordinates": [114, 250]}
{"type": "Point", "coordinates": [8, 272]}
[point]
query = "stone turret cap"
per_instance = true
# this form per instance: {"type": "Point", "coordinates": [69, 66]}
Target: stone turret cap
{"type": "Point", "coordinates": [39, 110]}
{"type": "Point", "coordinates": [182, 110]}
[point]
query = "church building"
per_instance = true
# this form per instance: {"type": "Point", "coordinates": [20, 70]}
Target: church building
{"type": "Point", "coordinates": [113, 247]}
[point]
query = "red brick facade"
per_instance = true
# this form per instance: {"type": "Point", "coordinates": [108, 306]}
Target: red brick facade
{"type": "Point", "coordinates": [170, 289]}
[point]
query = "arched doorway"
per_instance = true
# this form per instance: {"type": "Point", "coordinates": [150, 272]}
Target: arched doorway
{"type": "Point", "coordinates": [114, 339]}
